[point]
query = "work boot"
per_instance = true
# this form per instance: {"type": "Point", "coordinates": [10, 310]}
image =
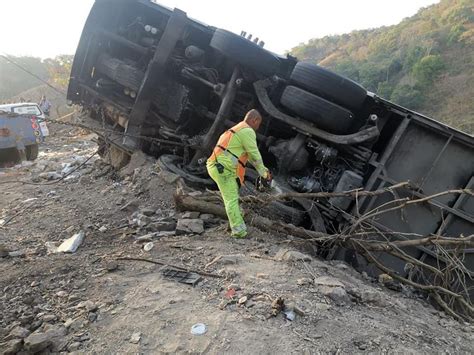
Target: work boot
{"type": "Point", "coordinates": [240, 235]}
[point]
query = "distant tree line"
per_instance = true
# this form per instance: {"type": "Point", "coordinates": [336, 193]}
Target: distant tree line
{"type": "Point", "coordinates": [15, 80]}
{"type": "Point", "coordinates": [404, 62]}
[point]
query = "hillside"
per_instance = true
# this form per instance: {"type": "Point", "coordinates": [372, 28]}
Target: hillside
{"type": "Point", "coordinates": [425, 63]}
{"type": "Point", "coordinates": [18, 75]}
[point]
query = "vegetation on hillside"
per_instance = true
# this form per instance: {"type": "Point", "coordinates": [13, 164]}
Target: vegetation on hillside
{"type": "Point", "coordinates": [425, 63]}
{"type": "Point", "coordinates": [15, 80]}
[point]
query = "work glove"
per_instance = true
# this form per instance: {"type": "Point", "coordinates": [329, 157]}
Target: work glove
{"type": "Point", "coordinates": [264, 183]}
{"type": "Point", "coordinates": [269, 177]}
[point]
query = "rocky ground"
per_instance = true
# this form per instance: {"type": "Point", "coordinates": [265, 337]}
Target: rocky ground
{"type": "Point", "coordinates": [260, 295]}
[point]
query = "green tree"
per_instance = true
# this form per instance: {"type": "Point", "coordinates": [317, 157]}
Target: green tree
{"type": "Point", "coordinates": [428, 69]}
{"type": "Point", "coordinates": [407, 96]}
{"type": "Point", "coordinates": [59, 69]}
{"type": "Point", "coordinates": [385, 89]}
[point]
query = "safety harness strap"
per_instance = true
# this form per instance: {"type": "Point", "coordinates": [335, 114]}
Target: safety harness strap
{"type": "Point", "coordinates": [227, 150]}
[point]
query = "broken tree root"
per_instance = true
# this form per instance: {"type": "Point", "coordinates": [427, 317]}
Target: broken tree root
{"type": "Point", "coordinates": [363, 238]}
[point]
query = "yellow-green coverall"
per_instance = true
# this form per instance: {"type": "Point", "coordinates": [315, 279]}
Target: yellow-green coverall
{"type": "Point", "coordinates": [243, 141]}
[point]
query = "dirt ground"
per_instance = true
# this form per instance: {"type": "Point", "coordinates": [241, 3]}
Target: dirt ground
{"type": "Point", "coordinates": [90, 302]}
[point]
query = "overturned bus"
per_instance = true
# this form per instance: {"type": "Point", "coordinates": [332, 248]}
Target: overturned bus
{"type": "Point", "coordinates": [151, 78]}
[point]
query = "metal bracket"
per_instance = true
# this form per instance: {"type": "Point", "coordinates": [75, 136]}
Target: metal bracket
{"type": "Point", "coordinates": [173, 32]}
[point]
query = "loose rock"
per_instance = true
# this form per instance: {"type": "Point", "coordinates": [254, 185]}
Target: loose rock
{"type": "Point", "coordinates": [18, 333]}
{"type": "Point", "coordinates": [103, 229]}
{"type": "Point", "coordinates": [135, 338]}
{"type": "Point", "coordinates": [168, 177]}
{"type": "Point", "coordinates": [38, 341]}
{"type": "Point", "coordinates": [304, 281]}
{"type": "Point", "coordinates": [292, 255]}
{"type": "Point", "coordinates": [337, 294]}
{"type": "Point", "coordinates": [49, 318]}
{"type": "Point", "coordinates": [162, 226]}
{"type": "Point", "coordinates": [148, 211]}
{"type": "Point", "coordinates": [187, 226]}
{"type": "Point", "coordinates": [11, 347]}
{"type": "Point", "coordinates": [243, 299]}
{"type": "Point", "coordinates": [74, 346]}
{"type": "Point", "coordinates": [206, 216]}
{"type": "Point", "coordinates": [89, 305]}
{"type": "Point", "coordinates": [191, 215]}
{"type": "Point", "coordinates": [373, 297]}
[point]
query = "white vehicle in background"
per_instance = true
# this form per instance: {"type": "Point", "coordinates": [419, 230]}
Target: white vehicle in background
{"type": "Point", "coordinates": [28, 108]}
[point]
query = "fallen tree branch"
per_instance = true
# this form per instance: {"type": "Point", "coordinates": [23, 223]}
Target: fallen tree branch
{"type": "Point", "coordinates": [187, 202]}
{"type": "Point", "coordinates": [315, 195]}
{"type": "Point", "coordinates": [445, 281]}
{"type": "Point", "coordinates": [404, 202]}
{"type": "Point", "coordinates": [431, 240]}
{"type": "Point", "coordinates": [432, 289]}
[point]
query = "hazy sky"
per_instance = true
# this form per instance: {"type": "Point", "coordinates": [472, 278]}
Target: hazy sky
{"type": "Point", "coordinates": [46, 28]}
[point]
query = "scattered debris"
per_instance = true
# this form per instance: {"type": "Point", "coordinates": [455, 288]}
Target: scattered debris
{"type": "Point", "coordinates": [278, 304]}
{"type": "Point", "coordinates": [384, 278]}
{"type": "Point", "coordinates": [230, 293]}
{"type": "Point", "coordinates": [103, 229]}
{"type": "Point", "coordinates": [69, 245]}
{"type": "Point", "coordinates": [198, 329]}
{"type": "Point", "coordinates": [290, 315]}
{"type": "Point", "coordinates": [148, 246]}
{"type": "Point", "coordinates": [135, 338]}
{"type": "Point", "coordinates": [189, 278]}
{"type": "Point", "coordinates": [242, 300]}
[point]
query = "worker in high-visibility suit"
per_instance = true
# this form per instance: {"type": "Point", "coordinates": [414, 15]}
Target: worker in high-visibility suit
{"type": "Point", "coordinates": [226, 166]}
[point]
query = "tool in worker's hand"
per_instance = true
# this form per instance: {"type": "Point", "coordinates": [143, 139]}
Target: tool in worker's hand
{"type": "Point", "coordinates": [264, 184]}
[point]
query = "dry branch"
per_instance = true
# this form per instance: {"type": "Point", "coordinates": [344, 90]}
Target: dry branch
{"type": "Point", "coordinates": [367, 241]}
{"type": "Point", "coordinates": [316, 195]}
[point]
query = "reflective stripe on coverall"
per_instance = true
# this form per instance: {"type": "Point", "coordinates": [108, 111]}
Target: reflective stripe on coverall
{"type": "Point", "coordinates": [233, 149]}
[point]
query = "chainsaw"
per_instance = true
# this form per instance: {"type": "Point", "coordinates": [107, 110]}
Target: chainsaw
{"type": "Point", "coordinates": [264, 184]}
